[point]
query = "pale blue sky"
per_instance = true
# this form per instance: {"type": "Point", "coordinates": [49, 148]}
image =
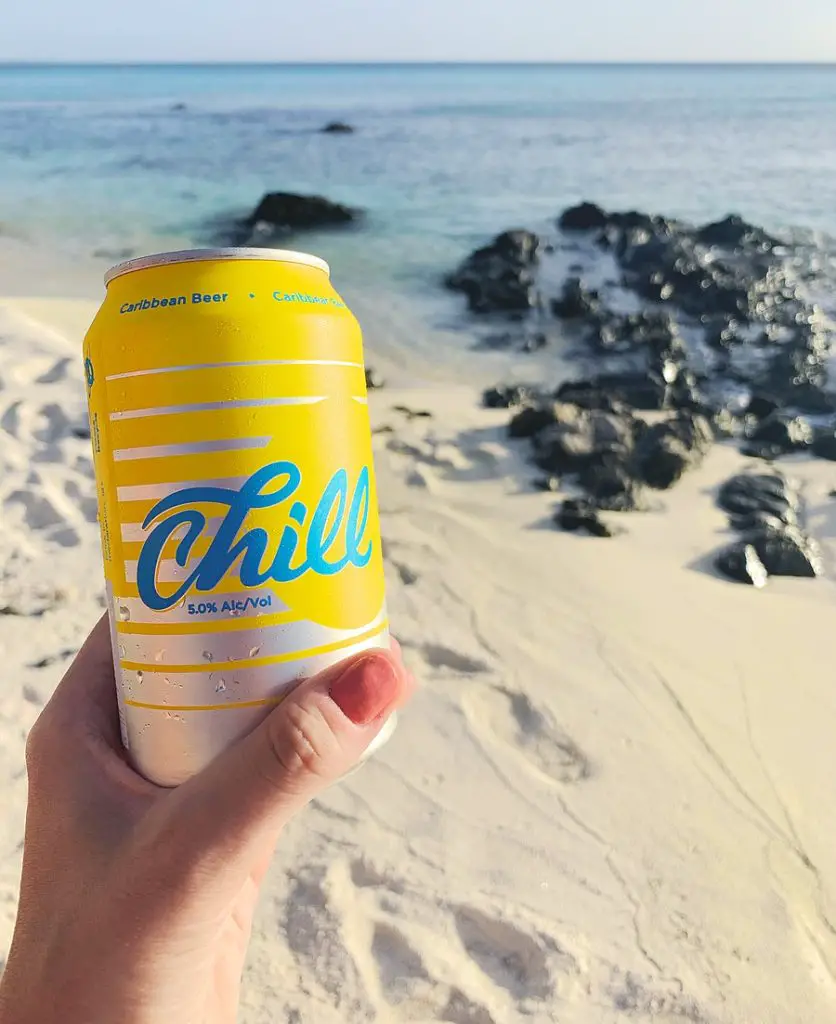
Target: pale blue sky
{"type": "Point", "coordinates": [284, 30]}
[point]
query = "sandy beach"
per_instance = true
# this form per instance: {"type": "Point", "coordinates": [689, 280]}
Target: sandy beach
{"type": "Point", "coordinates": [611, 799]}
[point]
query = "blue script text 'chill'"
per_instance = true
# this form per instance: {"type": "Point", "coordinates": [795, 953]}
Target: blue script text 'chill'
{"type": "Point", "coordinates": [257, 567]}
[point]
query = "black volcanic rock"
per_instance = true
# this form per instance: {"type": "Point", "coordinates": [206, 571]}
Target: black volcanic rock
{"type": "Point", "coordinates": [764, 507]}
{"type": "Point", "coordinates": [532, 419]}
{"type": "Point", "coordinates": [576, 302]}
{"type": "Point", "coordinates": [787, 552]}
{"type": "Point", "coordinates": [741, 562]}
{"type": "Point", "coordinates": [667, 450]}
{"type": "Point", "coordinates": [288, 212]}
{"type": "Point", "coordinates": [510, 396]}
{"type": "Point", "coordinates": [747, 494]}
{"type": "Point", "coordinates": [584, 217]}
{"type": "Point", "coordinates": [374, 379]}
{"type": "Point", "coordinates": [278, 216]}
{"type": "Point", "coordinates": [694, 332]}
{"type": "Point", "coordinates": [782, 433]}
{"type": "Point", "coordinates": [578, 438]}
{"type": "Point", "coordinates": [732, 232]}
{"type": "Point", "coordinates": [589, 394]}
{"type": "Point", "coordinates": [576, 515]}
{"type": "Point", "coordinates": [500, 277]}
{"type": "Point", "coordinates": [337, 128]}
{"type": "Point", "coordinates": [637, 389]}
{"type": "Point", "coordinates": [610, 485]}
{"type": "Point", "coordinates": [824, 444]}
{"type": "Point", "coordinates": [761, 406]}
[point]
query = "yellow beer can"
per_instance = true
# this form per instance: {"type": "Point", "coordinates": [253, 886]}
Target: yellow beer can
{"type": "Point", "coordinates": [237, 498]}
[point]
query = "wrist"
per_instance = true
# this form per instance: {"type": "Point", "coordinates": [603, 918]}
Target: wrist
{"type": "Point", "coordinates": [26, 999]}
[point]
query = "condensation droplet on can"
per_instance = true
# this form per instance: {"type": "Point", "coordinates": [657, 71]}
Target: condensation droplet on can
{"type": "Point", "coordinates": [254, 651]}
{"type": "Point", "coordinates": [139, 675]}
{"type": "Point", "coordinates": [221, 687]}
{"type": "Point", "coordinates": [159, 655]}
{"type": "Point", "coordinates": [208, 656]}
{"type": "Point", "coordinates": [124, 613]}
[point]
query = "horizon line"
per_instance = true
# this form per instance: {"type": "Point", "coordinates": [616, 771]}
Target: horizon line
{"type": "Point", "coordinates": [411, 63]}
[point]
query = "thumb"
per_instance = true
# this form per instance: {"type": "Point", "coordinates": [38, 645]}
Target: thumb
{"type": "Point", "coordinates": [314, 737]}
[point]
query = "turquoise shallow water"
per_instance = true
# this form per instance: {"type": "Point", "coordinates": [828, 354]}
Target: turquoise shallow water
{"type": "Point", "coordinates": [107, 159]}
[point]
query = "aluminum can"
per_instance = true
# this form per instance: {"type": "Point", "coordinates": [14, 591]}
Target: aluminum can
{"type": "Point", "coordinates": [237, 499]}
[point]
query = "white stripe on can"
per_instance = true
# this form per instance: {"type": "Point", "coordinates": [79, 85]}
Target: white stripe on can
{"type": "Point", "coordinates": [238, 403]}
{"type": "Point", "coordinates": [135, 533]}
{"type": "Point", "coordinates": [162, 451]}
{"type": "Point", "coordinates": [226, 687]}
{"type": "Point", "coordinates": [143, 492]}
{"type": "Point", "coordinates": [227, 366]}
{"type": "Point", "coordinates": [240, 645]}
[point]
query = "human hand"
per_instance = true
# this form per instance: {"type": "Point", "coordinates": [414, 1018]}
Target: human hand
{"type": "Point", "coordinates": [137, 902]}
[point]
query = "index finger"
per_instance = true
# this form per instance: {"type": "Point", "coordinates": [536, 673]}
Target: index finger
{"type": "Point", "coordinates": [87, 693]}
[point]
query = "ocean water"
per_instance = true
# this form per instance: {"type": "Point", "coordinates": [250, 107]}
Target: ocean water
{"type": "Point", "coordinates": [107, 161]}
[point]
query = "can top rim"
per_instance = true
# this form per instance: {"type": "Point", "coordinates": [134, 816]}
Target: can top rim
{"type": "Point", "coordinates": [162, 259]}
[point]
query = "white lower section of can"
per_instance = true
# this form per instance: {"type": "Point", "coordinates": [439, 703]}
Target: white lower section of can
{"type": "Point", "coordinates": [114, 644]}
{"type": "Point", "coordinates": [169, 739]}
{"type": "Point", "coordinates": [160, 655]}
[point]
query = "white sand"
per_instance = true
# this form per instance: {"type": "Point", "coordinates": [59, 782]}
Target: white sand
{"type": "Point", "coordinates": [613, 798]}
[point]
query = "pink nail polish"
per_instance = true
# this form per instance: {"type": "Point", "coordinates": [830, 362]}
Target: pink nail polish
{"type": "Point", "coordinates": [366, 689]}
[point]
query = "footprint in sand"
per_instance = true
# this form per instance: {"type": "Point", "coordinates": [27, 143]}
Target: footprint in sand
{"type": "Point", "coordinates": [635, 997]}
{"type": "Point", "coordinates": [52, 659]}
{"type": "Point", "coordinates": [65, 537]}
{"type": "Point", "coordinates": [84, 466]}
{"type": "Point", "coordinates": [364, 876]}
{"type": "Point", "coordinates": [461, 1010]}
{"type": "Point", "coordinates": [529, 733]}
{"type": "Point", "coordinates": [53, 424]}
{"type": "Point", "coordinates": [438, 656]}
{"type": "Point", "coordinates": [314, 930]}
{"type": "Point", "coordinates": [31, 695]}
{"type": "Point", "coordinates": [510, 957]}
{"type": "Point", "coordinates": [48, 453]}
{"type": "Point", "coordinates": [39, 513]}
{"type": "Point", "coordinates": [57, 372]}
{"type": "Point", "coordinates": [407, 575]}
{"type": "Point", "coordinates": [10, 420]}
{"type": "Point", "coordinates": [86, 503]}
{"type": "Point", "coordinates": [400, 967]}
{"type": "Point", "coordinates": [410, 988]}
{"type": "Point", "coordinates": [350, 926]}
{"type": "Point", "coordinates": [44, 512]}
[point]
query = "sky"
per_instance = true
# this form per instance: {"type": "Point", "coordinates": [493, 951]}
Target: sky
{"type": "Point", "coordinates": [395, 30]}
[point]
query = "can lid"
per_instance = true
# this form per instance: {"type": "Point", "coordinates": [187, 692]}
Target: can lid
{"type": "Point", "coordinates": [162, 259]}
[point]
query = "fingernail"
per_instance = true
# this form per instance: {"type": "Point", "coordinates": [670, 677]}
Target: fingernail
{"type": "Point", "coordinates": [366, 689]}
